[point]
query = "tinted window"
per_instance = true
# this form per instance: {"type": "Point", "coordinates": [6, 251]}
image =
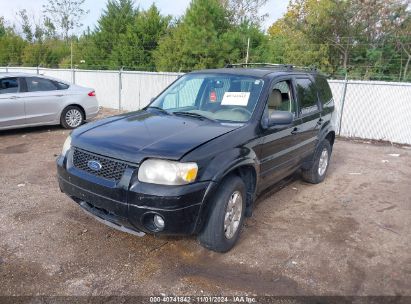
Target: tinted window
{"type": "Point", "coordinates": [9, 85]}
{"type": "Point", "coordinates": [36, 84]}
{"type": "Point", "coordinates": [323, 89]}
{"type": "Point", "coordinates": [307, 96]}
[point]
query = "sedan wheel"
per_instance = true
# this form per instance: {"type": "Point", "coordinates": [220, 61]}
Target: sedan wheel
{"type": "Point", "coordinates": [72, 117]}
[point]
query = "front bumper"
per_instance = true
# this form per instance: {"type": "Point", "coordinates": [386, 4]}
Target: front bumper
{"type": "Point", "coordinates": [130, 205]}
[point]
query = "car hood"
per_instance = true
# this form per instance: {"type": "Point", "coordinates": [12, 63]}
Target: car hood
{"type": "Point", "coordinates": [143, 134]}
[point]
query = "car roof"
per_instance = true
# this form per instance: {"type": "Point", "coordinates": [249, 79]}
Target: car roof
{"type": "Point", "coordinates": [21, 74]}
{"type": "Point", "coordinates": [17, 74]}
{"type": "Point", "coordinates": [255, 72]}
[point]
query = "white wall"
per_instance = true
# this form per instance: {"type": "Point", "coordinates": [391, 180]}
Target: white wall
{"type": "Point", "coordinates": [372, 109]}
{"type": "Point", "coordinates": [138, 88]}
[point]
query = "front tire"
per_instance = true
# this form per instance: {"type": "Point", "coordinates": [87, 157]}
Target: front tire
{"type": "Point", "coordinates": [222, 229]}
{"type": "Point", "coordinates": [319, 167]}
{"type": "Point", "coordinates": [72, 117]}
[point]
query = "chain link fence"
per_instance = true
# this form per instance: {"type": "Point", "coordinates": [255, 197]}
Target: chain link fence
{"type": "Point", "coordinates": [373, 110]}
{"type": "Point", "coordinates": [363, 109]}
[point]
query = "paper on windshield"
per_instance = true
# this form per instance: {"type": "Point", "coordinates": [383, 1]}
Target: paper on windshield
{"type": "Point", "coordinates": [235, 99]}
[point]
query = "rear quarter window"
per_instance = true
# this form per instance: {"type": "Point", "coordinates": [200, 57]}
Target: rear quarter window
{"type": "Point", "coordinates": [61, 86]}
{"type": "Point", "coordinates": [324, 90]}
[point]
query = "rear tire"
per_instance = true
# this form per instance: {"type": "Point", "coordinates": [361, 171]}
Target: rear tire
{"type": "Point", "coordinates": [72, 117]}
{"type": "Point", "coordinates": [319, 167]}
{"type": "Point", "coordinates": [222, 228]}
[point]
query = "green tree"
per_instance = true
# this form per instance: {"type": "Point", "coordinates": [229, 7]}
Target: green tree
{"type": "Point", "coordinates": [25, 25]}
{"type": "Point", "coordinates": [97, 47]}
{"type": "Point", "coordinates": [195, 42]}
{"type": "Point", "coordinates": [136, 45]}
{"type": "Point", "coordinates": [245, 10]}
{"type": "Point", "coordinates": [66, 14]}
{"type": "Point", "coordinates": [340, 36]}
{"type": "Point", "coordinates": [2, 27]}
{"type": "Point", "coordinates": [11, 46]}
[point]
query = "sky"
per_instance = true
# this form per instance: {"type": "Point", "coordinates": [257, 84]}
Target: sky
{"type": "Point", "coordinates": [9, 8]}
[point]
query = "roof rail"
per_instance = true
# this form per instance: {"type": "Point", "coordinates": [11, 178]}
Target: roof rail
{"type": "Point", "coordinates": [287, 67]}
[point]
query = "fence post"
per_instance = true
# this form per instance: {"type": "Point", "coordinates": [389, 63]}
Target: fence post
{"type": "Point", "coordinates": [120, 84]}
{"type": "Point", "coordinates": [342, 103]}
{"type": "Point", "coordinates": [7, 68]}
{"type": "Point", "coordinates": [73, 75]}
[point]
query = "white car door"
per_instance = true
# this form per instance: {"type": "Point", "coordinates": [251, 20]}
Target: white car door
{"type": "Point", "coordinates": [42, 100]}
{"type": "Point", "coordinates": [11, 106]}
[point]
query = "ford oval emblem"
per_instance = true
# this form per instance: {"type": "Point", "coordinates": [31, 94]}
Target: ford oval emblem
{"type": "Point", "coordinates": [94, 165]}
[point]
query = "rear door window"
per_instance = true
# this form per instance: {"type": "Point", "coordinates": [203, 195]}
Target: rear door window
{"type": "Point", "coordinates": [37, 84]}
{"type": "Point", "coordinates": [9, 85]}
{"type": "Point", "coordinates": [307, 96]}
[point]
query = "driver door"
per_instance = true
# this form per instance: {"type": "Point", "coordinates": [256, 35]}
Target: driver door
{"type": "Point", "coordinates": [279, 156]}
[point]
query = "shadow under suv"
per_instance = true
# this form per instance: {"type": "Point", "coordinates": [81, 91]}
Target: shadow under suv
{"type": "Point", "coordinates": [194, 160]}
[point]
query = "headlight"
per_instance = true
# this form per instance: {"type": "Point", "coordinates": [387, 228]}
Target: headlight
{"type": "Point", "coordinates": [66, 146]}
{"type": "Point", "coordinates": [165, 172]}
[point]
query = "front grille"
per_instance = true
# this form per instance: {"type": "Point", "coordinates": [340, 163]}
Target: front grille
{"type": "Point", "coordinates": [110, 169]}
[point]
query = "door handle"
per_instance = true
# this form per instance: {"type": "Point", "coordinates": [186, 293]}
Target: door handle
{"type": "Point", "coordinates": [294, 131]}
{"type": "Point", "coordinates": [13, 97]}
{"type": "Point", "coordinates": [60, 95]}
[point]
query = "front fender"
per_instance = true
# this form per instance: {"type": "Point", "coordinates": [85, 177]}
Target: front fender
{"type": "Point", "coordinates": [220, 167]}
{"type": "Point", "coordinates": [225, 162]}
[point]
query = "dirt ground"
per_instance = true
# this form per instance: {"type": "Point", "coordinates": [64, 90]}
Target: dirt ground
{"type": "Point", "coordinates": [350, 235]}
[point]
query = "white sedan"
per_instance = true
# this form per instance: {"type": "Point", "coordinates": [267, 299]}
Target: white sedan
{"type": "Point", "coordinates": [33, 100]}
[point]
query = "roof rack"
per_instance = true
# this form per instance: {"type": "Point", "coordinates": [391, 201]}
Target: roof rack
{"type": "Point", "coordinates": [287, 67]}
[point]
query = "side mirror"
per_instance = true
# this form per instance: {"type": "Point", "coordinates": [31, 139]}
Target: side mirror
{"type": "Point", "coordinates": [280, 118]}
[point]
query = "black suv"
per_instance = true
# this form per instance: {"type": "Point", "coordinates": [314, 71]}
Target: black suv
{"type": "Point", "coordinates": [194, 160]}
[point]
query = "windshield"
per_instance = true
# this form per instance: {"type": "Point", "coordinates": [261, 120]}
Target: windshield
{"type": "Point", "coordinates": [214, 96]}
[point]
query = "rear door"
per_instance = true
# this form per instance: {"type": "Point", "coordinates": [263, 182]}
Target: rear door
{"type": "Point", "coordinates": [279, 156]}
{"type": "Point", "coordinates": [310, 115]}
{"type": "Point", "coordinates": [43, 100]}
{"type": "Point", "coordinates": [11, 106]}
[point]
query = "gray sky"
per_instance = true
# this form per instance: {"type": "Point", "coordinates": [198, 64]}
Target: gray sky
{"type": "Point", "coordinates": [9, 8]}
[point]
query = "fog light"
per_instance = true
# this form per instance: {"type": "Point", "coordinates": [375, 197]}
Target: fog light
{"type": "Point", "coordinates": [159, 222]}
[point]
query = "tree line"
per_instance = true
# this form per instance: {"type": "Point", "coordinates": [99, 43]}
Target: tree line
{"type": "Point", "coordinates": [361, 39]}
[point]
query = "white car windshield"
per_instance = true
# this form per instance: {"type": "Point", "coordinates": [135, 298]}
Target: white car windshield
{"type": "Point", "coordinates": [219, 97]}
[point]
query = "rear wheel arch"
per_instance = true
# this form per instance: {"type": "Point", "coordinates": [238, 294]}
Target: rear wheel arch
{"type": "Point", "coordinates": [75, 105]}
{"type": "Point", "coordinates": [330, 137]}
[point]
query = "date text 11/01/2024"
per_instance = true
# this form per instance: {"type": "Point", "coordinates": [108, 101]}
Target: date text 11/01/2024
{"type": "Point", "coordinates": [203, 299]}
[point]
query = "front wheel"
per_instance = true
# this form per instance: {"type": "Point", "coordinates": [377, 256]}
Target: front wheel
{"type": "Point", "coordinates": [222, 229]}
{"type": "Point", "coordinates": [72, 117]}
{"type": "Point", "coordinates": [316, 173]}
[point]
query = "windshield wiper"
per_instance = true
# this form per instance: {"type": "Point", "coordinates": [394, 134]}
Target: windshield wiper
{"type": "Point", "coordinates": [161, 109]}
{"type": "Point", "coordinates": [192, 114]}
